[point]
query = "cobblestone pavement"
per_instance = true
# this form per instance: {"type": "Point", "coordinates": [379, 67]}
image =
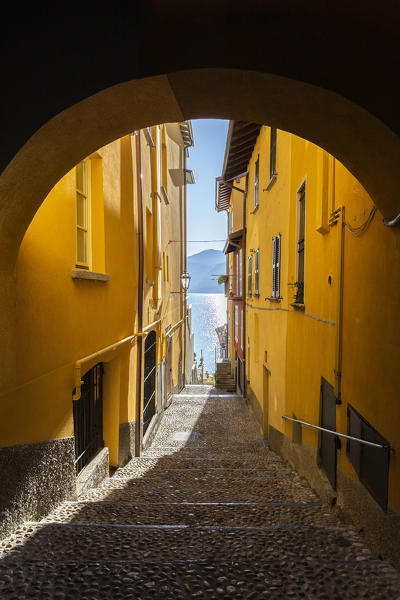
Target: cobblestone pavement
{"type": "Point", "coordinates": [207, 512]}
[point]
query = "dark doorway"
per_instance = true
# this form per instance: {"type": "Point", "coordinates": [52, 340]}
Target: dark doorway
{"type": "Point", "coordinates": [88, 418]}
{"type": "Point", "coordinates": [328, 442]}
{"type": "Point", "coordinates": [149, 399]}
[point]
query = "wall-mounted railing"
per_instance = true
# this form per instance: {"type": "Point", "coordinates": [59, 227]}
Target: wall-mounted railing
{"type": "Point", "coordinates": [342, 435]}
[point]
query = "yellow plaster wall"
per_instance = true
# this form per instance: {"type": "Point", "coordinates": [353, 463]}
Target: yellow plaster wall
{"type": "Point", "coordinates": [311, 334]}
{"type": "Point", "coordinates": [59, 319]}
{"type": "Point", "coordinates": [266, 320]}
{"type": "Point", "coordinates": [302, 345]}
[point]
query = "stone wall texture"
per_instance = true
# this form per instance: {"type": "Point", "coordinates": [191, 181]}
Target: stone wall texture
{"type": "Point", "coordinates": [35, 479]}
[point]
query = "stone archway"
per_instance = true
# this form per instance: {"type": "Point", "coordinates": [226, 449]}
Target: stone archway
{"type": "Point", "coordinates": [363, 143]}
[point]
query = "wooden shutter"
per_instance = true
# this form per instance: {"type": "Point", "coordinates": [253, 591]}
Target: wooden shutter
{"type": "Point", "coordinates": [250, 276]}
{"type": "Point", "coordinates": [256, 177]}
{"type": "Point", "coordinates": [256, 273]}
{"type": "Point", "coordinates": [276, 266]}
{"type": "Point", "coordinates": [272, 154]}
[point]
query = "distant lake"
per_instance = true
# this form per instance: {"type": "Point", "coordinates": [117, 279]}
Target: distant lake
{"type": "Point", "coordinates": [208, 312]}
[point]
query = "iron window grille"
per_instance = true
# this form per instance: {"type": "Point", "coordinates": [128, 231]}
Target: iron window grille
{"type": "Point", "coordinates": [88, 418]}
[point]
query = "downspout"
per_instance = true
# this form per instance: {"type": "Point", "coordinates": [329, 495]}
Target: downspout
{"type": "Point", "coordinates": [244, 279]}
{"type": "Point", "coordinates": [339, 318]}
{"type": "Point", "coordinates": [140, 300]}
{"type": "Point", "coordinates": [184, 266]}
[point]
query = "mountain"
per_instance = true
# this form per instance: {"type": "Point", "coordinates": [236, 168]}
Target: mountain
{"type": "Point", "coordinates": [202, 267]}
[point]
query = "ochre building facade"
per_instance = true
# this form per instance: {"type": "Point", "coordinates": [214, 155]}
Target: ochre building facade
{"type": "Point", "coordinates": [101, 321]}
{"type": "Point", "coordinates": [321, 329]}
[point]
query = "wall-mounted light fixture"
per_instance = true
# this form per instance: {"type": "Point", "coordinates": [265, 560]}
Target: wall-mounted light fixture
{"type": "Point", "coordinates": [185, 280]}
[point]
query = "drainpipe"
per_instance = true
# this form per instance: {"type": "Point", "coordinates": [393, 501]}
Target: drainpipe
{"type": "Point", "coordinates": [339, 318]}
{"type": "Point", "coordinates": [140, 301]}
{"type": "Point", "coordinates": [244, 279]}
{"type": "Point", "coordinates": [184, 266]}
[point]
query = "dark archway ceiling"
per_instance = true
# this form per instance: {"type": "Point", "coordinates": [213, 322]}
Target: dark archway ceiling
{"type": "Point", "coordinates": [50, 62]}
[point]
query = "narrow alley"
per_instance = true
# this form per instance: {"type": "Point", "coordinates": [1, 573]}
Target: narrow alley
{"type": "Point", "coordinates": [208, 511]}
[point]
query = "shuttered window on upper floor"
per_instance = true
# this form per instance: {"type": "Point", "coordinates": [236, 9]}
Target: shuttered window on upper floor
{"type": "Point", "coordinates": [256, 178]}
{"type": "Point", "coordinates": [83, 215]}
{"type": "Point", "coordinates": [256, 273]}
{"type": "Point", "coordinates": [276, 266]}
{"type": "Point", "coordinates": [250, 276]}
{"type": "Point", "coordinates": [272, 153]}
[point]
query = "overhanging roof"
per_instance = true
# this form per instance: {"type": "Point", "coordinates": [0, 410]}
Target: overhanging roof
{"type": "Point", "coordinates": [231, 243]}
{"type": "Point", "coordinates": [238, 150]}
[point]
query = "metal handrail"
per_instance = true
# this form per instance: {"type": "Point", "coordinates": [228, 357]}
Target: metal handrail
{"type": "Point", "coordinates": [348, 437]}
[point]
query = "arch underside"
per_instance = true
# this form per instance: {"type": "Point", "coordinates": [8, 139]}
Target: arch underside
{"type": "Point", "coordinates": [363, 143]}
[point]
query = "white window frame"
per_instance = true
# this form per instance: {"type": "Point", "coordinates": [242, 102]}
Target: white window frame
{"type": "Point", "coordinates": [87, 196]}
{"type": "Point", "coordinates": [236, 323]}
{"type": "Point", "coordinates": [257, 273]}
{"type": "Point", "coordinates": [250, 275]}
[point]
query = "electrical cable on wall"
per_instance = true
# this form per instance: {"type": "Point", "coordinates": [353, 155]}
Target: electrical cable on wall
{"type": "Point", "coordinates": [360, 229]}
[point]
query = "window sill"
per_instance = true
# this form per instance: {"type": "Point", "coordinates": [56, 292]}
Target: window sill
{"type": "Point", "coordinates": [253, 212]}
{"type": "Point", "coordinates": [89, 275]}
{"type": "Point", "coordinates": [271, 182]}
{"type": "Point", "coordinates": [274, 299]}
{"type": "Point", "coordinates": [298, 306]}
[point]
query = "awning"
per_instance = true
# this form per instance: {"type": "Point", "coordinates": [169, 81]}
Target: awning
{"type": "Point", "coordinates": [238, 150]}
{"type": "Point", "coordinates": [231, 243]}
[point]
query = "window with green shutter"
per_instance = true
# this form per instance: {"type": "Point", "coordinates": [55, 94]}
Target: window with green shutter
{"type": "Point", "coordinates": [276, 266]}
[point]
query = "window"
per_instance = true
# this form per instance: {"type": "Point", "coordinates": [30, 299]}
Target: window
{"type": "Point", "coordinates": [250, 276]}
{"type": "Point", "coordinates": [256, 273]}
{"type": "Point", "coordinates": [83, 247]}
{"type": "Point", "coordinates": [236, 323]}
{"type": "Point", "coordinates": [240, 272]}
{"type": "Point", "coordinates": [272, 153]}
{"type": "Point", "coordinates": [241, 329]}
{"type": "Point", "coordinates": [276, 266]}
{"type": "Point", "coordinates": [164, 171]}
{"type": "Point", "coordinates": [256, 176]}
{"type": "Point", "coordinates": [301, 244]}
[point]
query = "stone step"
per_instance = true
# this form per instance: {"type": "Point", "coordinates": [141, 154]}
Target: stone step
{"type": "Point", "coordinates": [279, 490]}
{"type": "Point", "coordinates": [280, 577]}
{"type": "Point", "coordinates": [195, 514]}
{"type": "Point", "coordinates": [64, 542]}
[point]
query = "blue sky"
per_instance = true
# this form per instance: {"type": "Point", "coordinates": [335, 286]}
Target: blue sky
{"type": "Point", "coordinates": [206, 158]}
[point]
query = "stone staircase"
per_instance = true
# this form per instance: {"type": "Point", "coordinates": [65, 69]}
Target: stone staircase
{"type": "Point", "coordinates": [208, 511]}
{"type": "Point", "coordinates": [224, 378]}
